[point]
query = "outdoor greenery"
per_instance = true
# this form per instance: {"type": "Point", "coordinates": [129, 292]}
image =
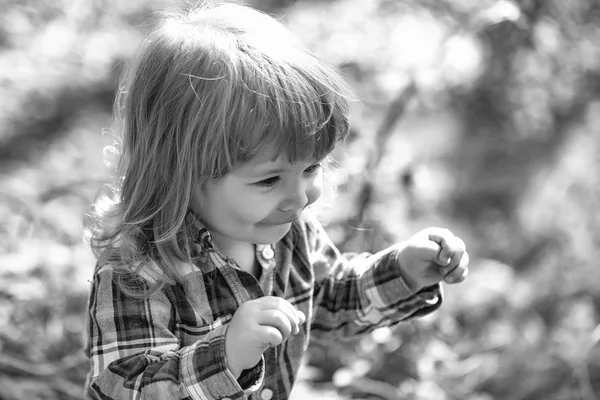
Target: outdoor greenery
{"type": "Point", "coordinates": [476, 115]}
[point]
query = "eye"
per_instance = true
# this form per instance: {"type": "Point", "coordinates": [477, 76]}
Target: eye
{"type": "Point", "coordinates": [268, 182]}
{"type": "Point", "coordinates": [313, 168]}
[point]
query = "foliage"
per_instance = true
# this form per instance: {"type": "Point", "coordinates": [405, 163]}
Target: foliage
{"type": "Point", "coordinates": [475, 115]}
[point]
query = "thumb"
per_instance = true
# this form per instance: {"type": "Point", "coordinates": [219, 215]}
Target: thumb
{"type": "Point", "coordinates": [301, 316]}
{"type": "Point", "coordinates": [424, 249]}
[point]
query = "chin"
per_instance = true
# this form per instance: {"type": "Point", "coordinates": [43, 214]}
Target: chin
{"type": "Point", "coordinates": [273, 234]}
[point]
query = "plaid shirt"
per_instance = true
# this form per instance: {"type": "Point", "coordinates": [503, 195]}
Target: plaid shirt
{"type": "Point", "coordinates": [172, 345]}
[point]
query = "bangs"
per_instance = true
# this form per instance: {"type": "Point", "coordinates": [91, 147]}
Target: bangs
{"type": "Point", "coordinates": [298, 112]}
{"type": "Point", "coordinates": [256, 89]}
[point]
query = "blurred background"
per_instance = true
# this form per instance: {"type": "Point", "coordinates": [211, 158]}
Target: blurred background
{"type": "Point", "coordinates": [480, 116]}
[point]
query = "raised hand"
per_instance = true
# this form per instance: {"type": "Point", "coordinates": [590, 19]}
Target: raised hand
{"type": "Point", "coordinates": [257, 325]}
{"type": "Point", "coordinates": [433, 255]}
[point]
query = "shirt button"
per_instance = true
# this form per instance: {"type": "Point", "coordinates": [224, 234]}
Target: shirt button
{"type": "Point", "coordinates": [266, 394]}
{"type": "Point", "coordinates": [267, 253]}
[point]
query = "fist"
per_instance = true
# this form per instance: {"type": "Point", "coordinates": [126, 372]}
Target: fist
{"type": "Point", "coordinates": [257, 325]}
{"type": "Point", "coordinates": [431, 256]}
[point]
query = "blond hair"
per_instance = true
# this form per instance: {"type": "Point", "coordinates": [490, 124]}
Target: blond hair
{"type": "Point", "coordinates": [208, 89]}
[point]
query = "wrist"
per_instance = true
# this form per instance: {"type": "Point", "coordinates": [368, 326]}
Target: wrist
{"type": "Point", "coordinates": [236, 372]}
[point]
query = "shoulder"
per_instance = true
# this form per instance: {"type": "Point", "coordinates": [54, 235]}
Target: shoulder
{"type": "Point", "coordinates": [148, 272]}
{"type": "Point", "coordinates": [135, 281]}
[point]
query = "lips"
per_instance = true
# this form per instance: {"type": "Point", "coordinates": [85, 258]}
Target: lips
{"type": "Point", "coordinates": [280, 220]}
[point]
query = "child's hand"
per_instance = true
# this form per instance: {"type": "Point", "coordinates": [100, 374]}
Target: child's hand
{"type": "Point", "coordinates": [433, 255]}
{"type": "Point", "coordinates": [257, 325]}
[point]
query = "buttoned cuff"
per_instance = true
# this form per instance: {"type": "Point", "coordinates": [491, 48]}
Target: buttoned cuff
{"type": "Point", "coordinates": [203, 369]}
{"type": "Point", "coordinates": [397, 290]}
{"type": "Point", "coordinates": [251, 379]}
{"type": "Point", "coordinates": [431, 297]}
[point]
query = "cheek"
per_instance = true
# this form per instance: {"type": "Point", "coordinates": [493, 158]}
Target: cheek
{"type": "Point", "coordinates": [314, 191]}
{"type": "Point", "coordinates": [248, 208]}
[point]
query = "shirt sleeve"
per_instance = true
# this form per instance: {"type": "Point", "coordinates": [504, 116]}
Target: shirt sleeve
{"type": "Point", "coordinates": [135, 354]}
{"type": "Point", "coordinates": [357, 293]}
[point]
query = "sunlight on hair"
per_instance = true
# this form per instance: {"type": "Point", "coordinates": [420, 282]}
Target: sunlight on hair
{"type": "Point", "coordinates": [208, 89]}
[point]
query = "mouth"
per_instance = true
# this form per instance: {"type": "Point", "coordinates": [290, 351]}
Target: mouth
{"type": "Point", "coordinates": [282, 221]}
{"type": "Point", "coordinates": [290, 220]}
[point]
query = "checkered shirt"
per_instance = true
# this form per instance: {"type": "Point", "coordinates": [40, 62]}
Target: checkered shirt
{"type": "Point", "coordinates": [172, 345]}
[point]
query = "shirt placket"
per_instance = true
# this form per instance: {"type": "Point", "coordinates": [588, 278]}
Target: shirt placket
{"type": "Point", "coordinates": [266, 258]}
{"type": "Point", "coordinates": [264, 286]}
{"type": "Point", "coordinates": [240, 292]}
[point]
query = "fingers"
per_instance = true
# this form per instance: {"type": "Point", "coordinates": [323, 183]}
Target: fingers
{"type": "Point", "coordinates": [452, 255]}
{"type": "Point", "coordinates": [446, 241]}
{"type": "Point", "coordinates": [451, 247]}
{"type": "Point", "coordinates": [459, 272]}
{"type": "Point", "coordinates": [426, 249]}
{"type": "Point", "coordinates": [276, 319]}
{"type": "Point", "coordinates": [280, 313]}
{"type": "Point", "coordinates": [270, 336]}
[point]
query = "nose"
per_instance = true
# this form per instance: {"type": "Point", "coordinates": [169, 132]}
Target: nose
{"type": "Point", "coordinates": [299, 195]}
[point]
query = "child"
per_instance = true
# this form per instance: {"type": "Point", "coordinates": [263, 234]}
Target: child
{"type": "Point", "coordinates": [212, 275]}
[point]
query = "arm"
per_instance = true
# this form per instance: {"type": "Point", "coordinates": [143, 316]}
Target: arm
{"type": "Point", "coordinates": [355, 294]}
{"type": "Point", "coordinates": [134, 352]}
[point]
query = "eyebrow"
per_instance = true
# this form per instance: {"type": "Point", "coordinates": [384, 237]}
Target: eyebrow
{"type": "Point", "coordinates": [267, 168]}
{"type": "Point", "coordinates": [270, 170]}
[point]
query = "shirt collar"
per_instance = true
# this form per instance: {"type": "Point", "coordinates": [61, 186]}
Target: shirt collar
{"type": "Point", "coordinates": [201, 235]}
{"type": "Point", "coordinates": [198, 231]}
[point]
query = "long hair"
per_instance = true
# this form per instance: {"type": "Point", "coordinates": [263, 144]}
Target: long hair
{"type": "Point", "coordinates": [207, 90]}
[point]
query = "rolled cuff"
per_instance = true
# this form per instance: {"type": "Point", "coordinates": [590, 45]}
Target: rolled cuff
{"type": "Point", "coordinates": [204, 371]}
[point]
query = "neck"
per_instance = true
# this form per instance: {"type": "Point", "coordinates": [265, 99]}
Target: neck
{"type": "Point", "coordinates": [242, 252]}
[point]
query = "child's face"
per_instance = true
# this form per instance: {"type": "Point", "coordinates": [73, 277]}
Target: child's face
{"type": "Point", "coordinates": [258, 201]}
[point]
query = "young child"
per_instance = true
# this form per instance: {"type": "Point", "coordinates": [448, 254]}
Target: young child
{"type": "Point", "coordinates": [212, 275]}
